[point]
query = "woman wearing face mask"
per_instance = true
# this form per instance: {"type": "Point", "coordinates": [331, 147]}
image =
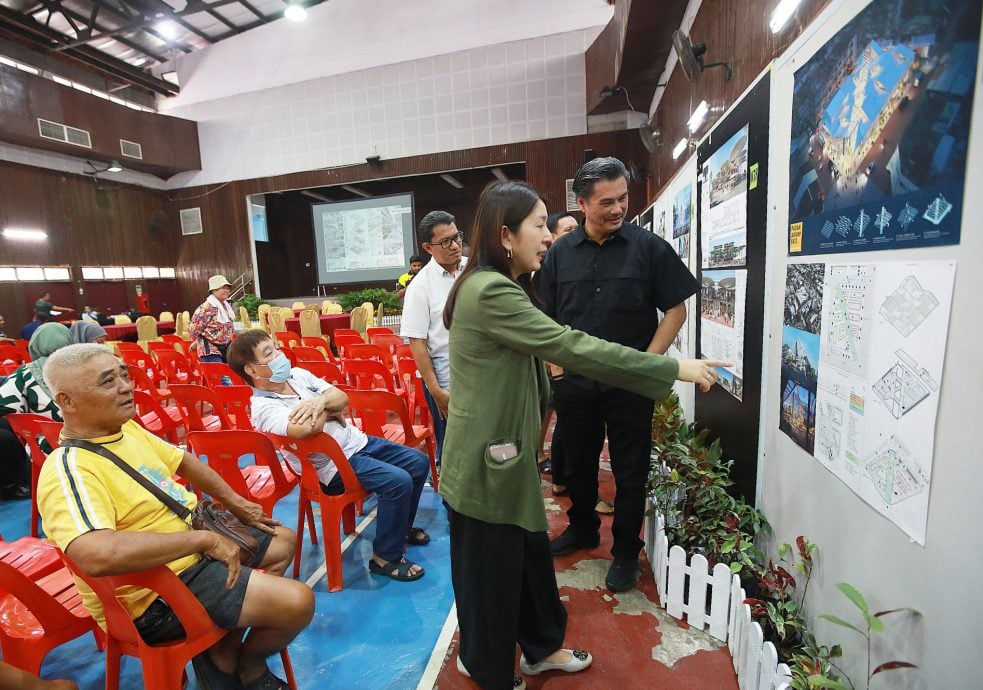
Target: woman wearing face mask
{"type": "Point", "coordinates": [501, 566]}
{"type": "Point", "coordinates": [293, 402]}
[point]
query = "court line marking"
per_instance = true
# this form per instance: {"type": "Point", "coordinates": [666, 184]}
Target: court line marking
{"type": "Point", "coordinates": [439, 653]}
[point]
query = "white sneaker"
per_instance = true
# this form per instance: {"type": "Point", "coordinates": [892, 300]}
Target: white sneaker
{"type": "Point", "coordinates": [579, 660]}
{"type": "Point", "coordinates": [518, 682]}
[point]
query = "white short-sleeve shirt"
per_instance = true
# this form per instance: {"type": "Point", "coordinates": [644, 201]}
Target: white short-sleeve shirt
{"type": "Point", "coordinates": [270, 413]}
{"type": "Point", "coordinates": [423, 314]}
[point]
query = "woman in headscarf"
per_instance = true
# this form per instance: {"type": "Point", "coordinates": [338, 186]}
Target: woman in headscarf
{"type": "Point", "coordinates": [211, 327]}
{"type": "Point", "coordinates": [26, 391]}
{"type": "Point", "coordinates": [87, 332]}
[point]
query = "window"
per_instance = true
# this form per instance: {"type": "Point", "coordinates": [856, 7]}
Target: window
{"type": "Point", "coordinates": [113, 273]}
{"type": "Point", "coordinates": [57, 273]}
{"type": "Point", "coordinates": [132, 272]}
{"type": "Point", "coordinates": [150, 272]}
{"type": "Point", "coordinates": [8, 273]}
{"type": "Point", "coordinates": [91, 273]}
{"type": "Point", "coordinates": [30, 273]}
{"type": "Point", "coordinates": [167, 273]}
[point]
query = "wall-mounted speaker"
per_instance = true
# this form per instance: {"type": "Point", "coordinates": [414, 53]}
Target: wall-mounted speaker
{"type": "Point", "coordinates": [589, 155]}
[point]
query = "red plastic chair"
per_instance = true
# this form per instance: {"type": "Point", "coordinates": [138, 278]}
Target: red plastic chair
{"type": "Point", "coordinates": [347, 331]}
{"type": "Point", "coordinates": [404, 351]}
{"type": "Point", "coordinates": [200, 408]}
{"type": "Point", "coordinates": [321, 342]}
{"type": "Point", "coordinates": [307, 354]}
{"type": "Point", "coordinates": [155, 346]}
{"type": "Point", "coordinates": [334, 508]}
{"type": "Point", "coordinates": [370, 374]}
{"type": "Point", "coordinates": [166, 422]}
{"type": "Point", "coordinates": [143, 382]}
{"type": "Point", "coordinates": [144, 361]}
{"type": "Point", "coordinates": [9, 352]}
{"type": "Point", "coordinates": [286, 338]}
{"type": "Point", "coordinates": [237, 401]}
{"type": "Point", "coordinates": [265, 481]}
{"type": "Point", "coordinates": [174, 339]}
{"type": "Point", "coordinates": [387, 341]}
{"type": "Point", "coordinates": [323, 370]}
{"type": "Point", "coordinates": [163, 665]}
{"type": "Point", "coordinates": [343, 340]}
{"type": "Point", "coordinates": [212, 373]}
{"type": "Point", "coordinates": [29, 427]}
{"type": "Point", "coordinates": [124, 346]}
{"type": "Point", "coordinates": [175, 367]}
{"type": "Point", "coordinates": [374, 408]}
{"type": "Point", "coordinates": [37, 616]}
{"type": "Point", "coordinates": [410, 381]}
{"type": "Point", "coordinates": [369, 351]}
{"type": "Point", "coordinates": [378, 330]}
{"type": "Point", "coordinates": [34, 558]}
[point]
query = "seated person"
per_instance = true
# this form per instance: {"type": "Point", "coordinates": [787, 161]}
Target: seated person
{"type": "Point", "coordinates": [109, 524]}
{"type": "Point", "coordinates": [4, 338]}
{"type": "Point", "coordinates": [293, 402]}
{"type": "Point", "coordinates": [416, 263]}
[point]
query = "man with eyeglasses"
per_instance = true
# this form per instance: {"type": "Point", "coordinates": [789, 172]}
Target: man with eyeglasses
{"type": "Point", "coordinates": [423, 312]}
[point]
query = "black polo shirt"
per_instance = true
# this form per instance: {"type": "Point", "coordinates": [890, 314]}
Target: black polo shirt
{"type": "Point", "coordinates": [613, 290]}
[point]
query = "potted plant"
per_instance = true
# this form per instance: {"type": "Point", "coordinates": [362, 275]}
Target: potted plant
{"type": "Point", "coordinates": [775, 607]}
{"type": "Point", "coordinates": [389, 300]}
{"type": "Point", "coordinates": [251, 302]}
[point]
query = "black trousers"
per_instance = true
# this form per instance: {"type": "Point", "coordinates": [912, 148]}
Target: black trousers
{"type": "Point", "coordinates": [505, 588]}
{"type": "Point", "coordinates": [15, 467]}
{"type": "Point", "coordinates": [558, 458]}
{"type": "Point", "coordinates": [583, 416]}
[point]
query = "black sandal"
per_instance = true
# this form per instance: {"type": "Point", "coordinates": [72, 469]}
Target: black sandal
{"type": "Point", "coordinates": [417, 537]}
{"type": "Point", "coordinates": [209, 676]}
{"type": "Point", "coordinates": [397, 570]}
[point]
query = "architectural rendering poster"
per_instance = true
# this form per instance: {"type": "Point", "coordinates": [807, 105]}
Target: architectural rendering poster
{"type": "Point", "coordinates": [682, 216]}
{"type": "Point", "coordinates": [645, 218]}
{"type": "Point", "coordinates": [660, 216]}
{"type": "Point", "coordinates": [880, 130]}
{"type": "Point", "coordinates": [882, 352]}
{"type": "Point", "coordinates": [722, 296]}
{"type": "Point", "coordinates": [800, 351]}
{"type": "Point", "coordinates": [723, 222]}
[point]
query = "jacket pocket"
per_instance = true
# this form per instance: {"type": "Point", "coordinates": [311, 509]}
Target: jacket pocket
{"type": "Point", "coordinates": [503, 454]}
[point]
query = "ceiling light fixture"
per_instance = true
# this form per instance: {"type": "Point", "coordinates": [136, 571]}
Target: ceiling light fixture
{"type": "Point", "coordinates": [782, 13]}
{"type": "Point", "coordinates": [452, 181]}
{"type": "Point", "coordinates": [356, 191]}
{"type": "Point", "coordinates": [167, 29]}
{"type": "Point", "coordinates": [21, 234]}
{"type": "Point", "coordinates": [696, 119]}
{"type": "Point", "coordinates": [295, 12]}
{"type": "Point", "coordinates": [499, 175]}
{"type": "Point", "coordinates": [680, 147]}
{"type": "Point", "coordinates": [112, 166]}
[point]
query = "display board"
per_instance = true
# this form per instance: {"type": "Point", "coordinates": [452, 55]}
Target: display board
{"type": "Point", "coordinates": [363, 240]}
{"type": "Point", "coordinates": [732, 218]}
{"type": "Point", "coordinates": [880, 130]}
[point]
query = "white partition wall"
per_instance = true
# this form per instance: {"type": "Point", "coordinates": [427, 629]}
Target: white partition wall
{"type": "Point", "coordinates": [800, 497]}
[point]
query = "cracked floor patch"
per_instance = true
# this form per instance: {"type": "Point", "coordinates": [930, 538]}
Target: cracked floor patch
{"type": "Point", "coordinates": [677, 642]}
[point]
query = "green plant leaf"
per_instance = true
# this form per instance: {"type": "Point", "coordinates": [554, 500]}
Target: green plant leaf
{"type": "Point", "coordinates": [735, 568]}
{"type": "Point", "coordinates": [873, 623]}
{"type": "Point", "coordinates": [855, 597]}
{"type": "Point", "coordinates": [820, 681]}
{"type": "Point", "coordinates": [839, 621]}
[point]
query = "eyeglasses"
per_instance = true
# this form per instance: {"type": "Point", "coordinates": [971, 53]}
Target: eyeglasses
{"type": "Point", "coordinates": [446, 243]}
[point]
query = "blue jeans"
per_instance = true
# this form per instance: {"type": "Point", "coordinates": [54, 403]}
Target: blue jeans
{"type": "Point", "coordinates": [396, 475]}
{"type": "Point", "coordinates": [439, 423]}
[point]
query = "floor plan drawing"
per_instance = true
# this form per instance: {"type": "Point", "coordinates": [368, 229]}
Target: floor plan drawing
{"type": "Point", "coordinates": [908, 306]}
{"type": "Point", "coordinates": [904, 385]}
{"type": "Point", "coordinates": [895, 473]}
{"type": "Point", "coordinates": [847, 315]}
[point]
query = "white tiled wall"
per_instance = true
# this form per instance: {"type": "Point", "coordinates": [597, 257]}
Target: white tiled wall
{"type": "Point", "coordinates": [498, 94]}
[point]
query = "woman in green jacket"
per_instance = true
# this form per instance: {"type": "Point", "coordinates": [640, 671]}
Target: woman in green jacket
{"type": "Point", "coordinates": [501, 567]}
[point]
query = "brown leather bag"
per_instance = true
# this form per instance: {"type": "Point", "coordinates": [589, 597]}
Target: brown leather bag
{"type": "Point", "coordinates": [208, 514]}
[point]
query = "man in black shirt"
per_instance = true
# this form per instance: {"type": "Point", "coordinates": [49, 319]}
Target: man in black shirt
{"type": "Point", "coordinates": [610, 278]}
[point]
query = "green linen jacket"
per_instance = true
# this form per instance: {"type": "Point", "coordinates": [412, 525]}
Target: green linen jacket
{"type": "Point", "coordinates": [499, 391]}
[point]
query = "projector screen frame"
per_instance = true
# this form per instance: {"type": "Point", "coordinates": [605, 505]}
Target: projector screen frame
{"type": "Point", "coordinates": [370, 275]}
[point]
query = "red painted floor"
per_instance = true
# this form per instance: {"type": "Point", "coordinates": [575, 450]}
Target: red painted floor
{"type": "Point", "coordinates": [634, 643]}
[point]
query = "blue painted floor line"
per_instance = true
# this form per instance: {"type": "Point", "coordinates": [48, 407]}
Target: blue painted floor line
{"type": "Point", "coordinates": [375, 634]}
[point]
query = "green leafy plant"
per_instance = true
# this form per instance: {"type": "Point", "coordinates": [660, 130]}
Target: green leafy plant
{"type": "Point", "coordinates": [251, 302]}
{"type": "Point", "coordinates": [779, 614]}
{"type": "Point", "coordinates": [872, 625]}
{"type": "Point", "coordinates": [389, 300]}
{"type": "Point", "coordinates": [689, 482]}
{"type": "Point", "coordinates": [813, 666]}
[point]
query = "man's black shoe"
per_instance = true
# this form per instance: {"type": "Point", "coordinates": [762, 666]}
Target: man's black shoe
{"type": "Point", "coordinates": [621, 574]}
{"type": "Point", "coordinates": [570, 541]}
{"type": "Point", "coordinates": [15, 492]}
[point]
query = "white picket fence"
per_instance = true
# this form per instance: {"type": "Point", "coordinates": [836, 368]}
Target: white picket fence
{"type": "Point", "coordinates": [689, 590]}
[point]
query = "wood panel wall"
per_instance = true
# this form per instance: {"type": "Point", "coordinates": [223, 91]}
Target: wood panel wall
{"type": "Point", "coordinates": [735, 31]}
{"type": "Point", "coordinates": [86, 226]}
{"type": "Point", "coordinates": [224, 248]}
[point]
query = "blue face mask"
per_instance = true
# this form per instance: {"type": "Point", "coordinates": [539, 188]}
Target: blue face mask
{"type": "Point", "coordinates": [279, 368]}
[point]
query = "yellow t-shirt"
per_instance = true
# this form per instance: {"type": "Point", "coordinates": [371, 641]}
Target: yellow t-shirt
{"type": "Point", "coordinates": [80, 492]}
